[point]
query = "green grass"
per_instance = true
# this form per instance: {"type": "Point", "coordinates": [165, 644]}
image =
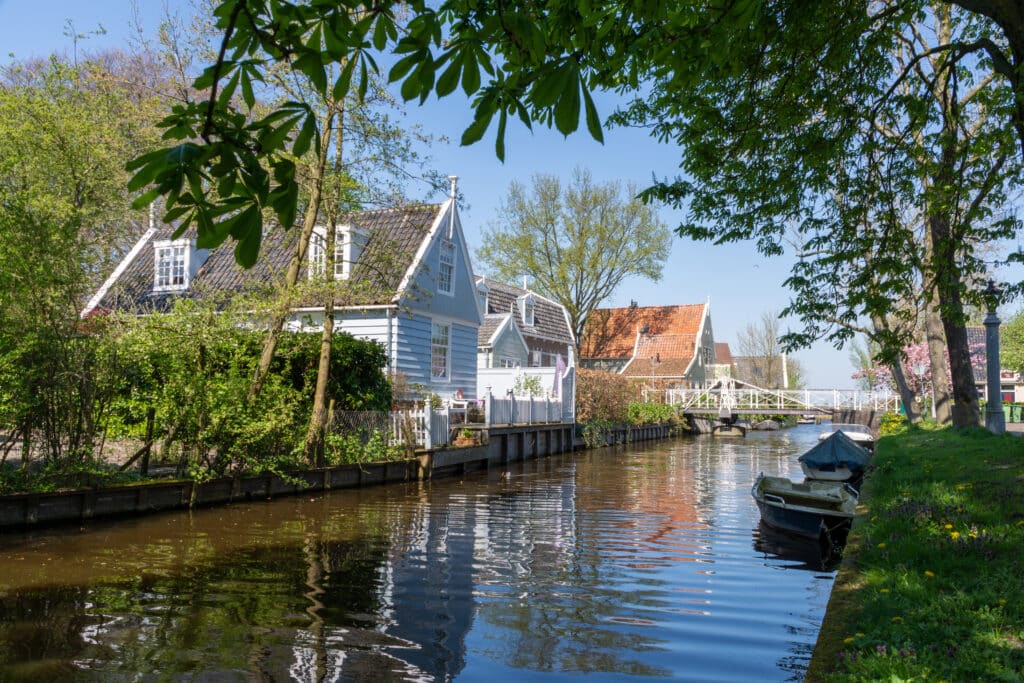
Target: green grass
{"type": "Point", "coordinates": [932, 582]}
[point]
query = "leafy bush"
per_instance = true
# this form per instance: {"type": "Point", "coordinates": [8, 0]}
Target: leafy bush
{"type": "Point", "coordinates": [604, 395]}
{"type": "Point", "coordinates": [892, 423]}
{"type": "Point", "coordinates": [650, 413]}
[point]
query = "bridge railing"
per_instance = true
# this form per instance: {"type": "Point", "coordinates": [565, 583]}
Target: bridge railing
{"type": "Point", "coordinates": [789, 400]}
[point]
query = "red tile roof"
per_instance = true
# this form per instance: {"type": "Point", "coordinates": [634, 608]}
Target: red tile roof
{"type": "Point", "coordinates": [723, 355]}
{"type": "Point", "coordinates": [612, 332]}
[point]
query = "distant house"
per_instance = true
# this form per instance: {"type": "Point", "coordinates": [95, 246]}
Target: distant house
{"type": "Point", "coordinates": [522, 334]}
{"type": "Point", "coordinates": [521, 328]}
{"type": "Point", "coordinates": [724, 367]}
{"type": "Point", "coordinates": [1011, 384]}
{"type": "Point", "coordinates": [667, 346]}
{"type": "Point", "coordinates": [411, 265]}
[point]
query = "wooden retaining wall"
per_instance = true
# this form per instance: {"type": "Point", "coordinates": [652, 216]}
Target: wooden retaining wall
{"type": "Point", "coordinates": [502, 445]}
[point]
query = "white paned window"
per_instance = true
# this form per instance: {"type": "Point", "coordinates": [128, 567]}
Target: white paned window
{"type": "Point", "coordinates": [440, 347]}
{"type": "Point", "coordinates": [317, 254]}
{"type": "Point", "coordinates": [171, 264]}
{"type": "Point", "coordinates": [509, 363]}
{"type": "Point", "coordinates": [446, 268]}
{"type": "Point", "coordinates": [527, 307]}
{"type": "Point", "coordinates": [535, 359]}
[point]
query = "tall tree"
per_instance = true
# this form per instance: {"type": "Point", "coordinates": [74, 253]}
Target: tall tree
{"type": "Point", "coordinates": [760, 344]}
{"type": "Point", "coordinates": [577, 244]}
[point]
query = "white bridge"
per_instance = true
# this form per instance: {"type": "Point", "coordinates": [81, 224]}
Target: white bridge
{"type": "Point", "coordinates": [735, 397]}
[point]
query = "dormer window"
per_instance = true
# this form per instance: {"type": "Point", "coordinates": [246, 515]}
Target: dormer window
{"type": "Point", "coordinates": [446, 268]}
{"type": "Point", "coordinates": [482, 290]}
{"type": "Point", "coordinates": [349, 243]}
{"type": "Point", "coordinates": [174, 264]}
{"type": "Point", "coordinates": [527, 307]}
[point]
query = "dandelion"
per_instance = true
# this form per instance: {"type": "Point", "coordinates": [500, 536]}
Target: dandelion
{"type": "Point", "coordinates": [955, 535]}
{"type": "Point", "coordinates": [949, 526]}
{"type": "Point", "coordinates": [929, 573]}
{"type": "Point", "coordinates": [884, 590]}
{"type": "Point", "coordinates": [848, 640]}
{"type": "Point", "coordinates": [881, 545]}
{"type": "Point", "coordinates": [897, 620]}
{"type": "Point", "coordinates": [1002, 601]}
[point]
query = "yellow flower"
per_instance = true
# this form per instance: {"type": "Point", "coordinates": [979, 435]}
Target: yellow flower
{"type": "Point", "coordinates": [881, 545]}
{"type": "Point", "coordinates": [1002, 601]}
{"type": "Point", "coordinates": [949, 526]}
{"type": "Point", "coordinates": [859, 634]}
{"type": "Point", "coordinates": [955, 535]}
{"type": "Point", "coordinates": [929, 573]}
{"type": "Point", "coordinates": [897, 620]}
{"type": "Point", "coordinates": [848, 640]}
{"type": "Point", "coordinates": [884, 590]}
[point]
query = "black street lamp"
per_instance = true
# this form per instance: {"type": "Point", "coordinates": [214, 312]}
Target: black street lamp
{"type": "Point", "coordinates": [995, 422]}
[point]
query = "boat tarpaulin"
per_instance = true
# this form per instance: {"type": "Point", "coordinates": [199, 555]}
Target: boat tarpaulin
{"type": "Point", "coordinates": [838, 450]}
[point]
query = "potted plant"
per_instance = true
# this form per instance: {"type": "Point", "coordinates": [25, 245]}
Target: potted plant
{"type": "Point", "coordinates": [465, 437]}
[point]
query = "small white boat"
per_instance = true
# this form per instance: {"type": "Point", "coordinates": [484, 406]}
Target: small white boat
{"type": "Point", "coordinates": [809, 508]}
{"type": "Point", "coordinates": [859, 434]}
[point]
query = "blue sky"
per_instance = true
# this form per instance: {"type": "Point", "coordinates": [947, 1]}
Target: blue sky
{"type": "Point", "coordinates": [740, 283]}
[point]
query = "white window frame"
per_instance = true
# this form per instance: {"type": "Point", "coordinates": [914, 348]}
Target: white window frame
{"type": "Point", "coordinates": [317, 261]}
{"type": "Point", "coordinates": [507, 362]}
{"type": "Point", "coordinates": [171, 265]}
{"type": "Point", "coordinates": [528, 310]}
{"type": "Point", "coordinates": [446, 268]}
{"type": "Point", "coordinates": [440, 343]}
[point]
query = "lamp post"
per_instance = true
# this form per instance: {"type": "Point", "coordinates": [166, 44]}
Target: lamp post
{"type": "Point", "coordinates": [995, 422]}
{"type": "Point", "coordinates": [919, 370]}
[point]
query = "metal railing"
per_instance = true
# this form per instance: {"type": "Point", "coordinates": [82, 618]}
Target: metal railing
{"type": "Point", "coordinates": [786, 400]}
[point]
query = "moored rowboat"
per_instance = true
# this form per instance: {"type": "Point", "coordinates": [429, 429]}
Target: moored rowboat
{"type": "Point", "coordinates": [807, 508]}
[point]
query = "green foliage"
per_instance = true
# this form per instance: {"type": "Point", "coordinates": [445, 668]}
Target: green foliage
{"type": "Point", "coordinates": [650, 413]}
{"type": "Point", "coordinates": [597, 433]}
{"type": "Point", "coordinates": [577, 243]}
{"type": "Point", "coordinates": [892, 423]}
{"type": "Point", "coordinates": [915, 603]}
{"type": "Point", "coordinates": [355, 448]}
{"type": "Point", "coordinates": [1011, 344]}
{"type": "Point", "coordinates": [528, 385]}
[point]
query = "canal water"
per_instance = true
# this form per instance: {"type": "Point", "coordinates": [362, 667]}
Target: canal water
{"type": "Point", "coordinates": [631, 563]}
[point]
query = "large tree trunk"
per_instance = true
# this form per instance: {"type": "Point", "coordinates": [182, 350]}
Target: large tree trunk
{"type": "Point", "coordinates": [966, 410]}
{"type": "Point", "coordinates": [906, 393]}
{"type": "Point", "coordinates": [292, 274]}
{"type": "Point", "coordinates": [937, 357]}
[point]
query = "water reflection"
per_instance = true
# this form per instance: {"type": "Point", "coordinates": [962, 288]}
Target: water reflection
{"type": "Point", "coordinates": [637, 562]}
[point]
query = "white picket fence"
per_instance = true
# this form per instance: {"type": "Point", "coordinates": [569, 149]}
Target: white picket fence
{"type": "Point", "coordinates": [432, 427]}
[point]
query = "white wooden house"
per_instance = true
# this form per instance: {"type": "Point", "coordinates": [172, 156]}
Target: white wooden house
{"type": "Point", "coordinates": [419, 298]}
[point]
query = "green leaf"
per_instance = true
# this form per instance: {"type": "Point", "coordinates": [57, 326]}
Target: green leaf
{"type": "Point", "coordinates": [305, 135]}
{"type": "Point", "coordinates": [229, 89]}
{"type": "Point", "coordinates": [312, 66]}
{"type": "Point", "coordinates": [479, 126]}
{"type": "Point", "coordinates": [593, 119]}
{"type": "Point", "coordinates": [344, 81]}
{"type": "Point", "coordinates": [144, 200]}
{"type": "Point", "coordinates": [403, 66]}
{"type": "Point", "coordinates": [499, 141]}
{"type": "Point", "coordinates": [470, 73]}
{"type": "Point", "coordinates": [247, 94]}
{"type": "Point", "coordinates": [248, 248]}
{"type": "Point", "coordinates": [549, 87]}
{"type": "Point", "coordinates": [567, 109]}
{"type": "Point", "coordinates": [449, 80]}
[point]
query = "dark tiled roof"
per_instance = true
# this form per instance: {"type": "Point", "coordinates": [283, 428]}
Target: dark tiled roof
{"type": "Point", "coordinates": [395, 236]}
{"type": "Point", "coordinates": [489, 326]}
{"type": "Point", "coordinates": [549, 318]}
{"type": "Point", "coordinates": [611, 332]}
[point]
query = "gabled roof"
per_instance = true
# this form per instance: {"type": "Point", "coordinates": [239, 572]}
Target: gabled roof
{"type": "Point", "coordinates": [395, 237]}
{"type": "Point", "coordinates": [611, 333]}
{"type": "Point", "coordinates": [550, 319]}
{"type": "Point", "coordinates": [723, 354]}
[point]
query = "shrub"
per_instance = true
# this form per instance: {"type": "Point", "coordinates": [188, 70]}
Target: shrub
{"type": "Point", "coordinates": [892, 423]}
{"type": "Point", "coordinates": [650, 413]}
{"type": "Point", "coordinates": [604, 396]}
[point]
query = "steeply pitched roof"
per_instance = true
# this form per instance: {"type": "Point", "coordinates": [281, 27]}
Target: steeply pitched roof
{"type": "Point", "coordinates": [550, 321]}
{"type": "Point", "coordinates": [395, 235]}
{"type": "Point", "coordinates": [611, 333]}
{"type": "Point", "coordinates": [723, 355]}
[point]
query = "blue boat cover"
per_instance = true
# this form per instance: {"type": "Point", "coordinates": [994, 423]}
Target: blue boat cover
{"type": "Point", "coordinates": [836, 451]}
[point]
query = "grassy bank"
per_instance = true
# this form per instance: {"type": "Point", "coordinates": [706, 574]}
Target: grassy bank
{"type": "Point", "coordinates": [932, 583]}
